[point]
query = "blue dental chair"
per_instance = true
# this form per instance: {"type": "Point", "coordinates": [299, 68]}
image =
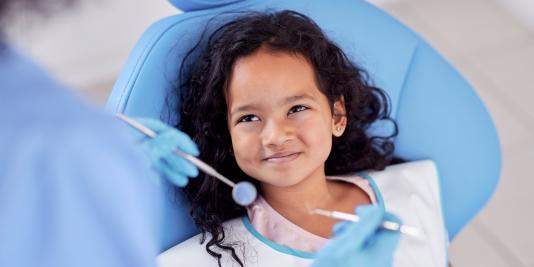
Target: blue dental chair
{"type": "Point", "coordinates": [439, 115]}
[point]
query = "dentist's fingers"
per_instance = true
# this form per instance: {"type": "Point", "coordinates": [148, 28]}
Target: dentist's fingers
{"type": "Point", "coordinates": [357, 233]}
{"type": "Point", "coordinates": [170, 136]}
{"type": "Point", "coordinates": [174, 177]}
{"type": "Point", "coordinates": [340, 227]}
{"type": "Point", "coordinates": [181, 165]}
{"type": "Point", "coordinates": [385, 239]}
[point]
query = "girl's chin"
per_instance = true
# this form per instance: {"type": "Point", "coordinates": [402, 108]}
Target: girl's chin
{"type": "Point", "coordinates": [281, 180]}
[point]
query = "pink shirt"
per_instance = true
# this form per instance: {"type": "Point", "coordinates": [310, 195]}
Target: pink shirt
{"type": "Point", "coordinates": [272, 225]}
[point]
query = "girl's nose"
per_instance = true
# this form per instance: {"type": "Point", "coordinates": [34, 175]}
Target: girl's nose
{"type": "Point", "coordinates": [276, 134]}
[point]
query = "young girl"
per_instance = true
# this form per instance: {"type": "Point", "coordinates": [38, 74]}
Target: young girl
{"type": "Point", "coordinates": [274, 102]}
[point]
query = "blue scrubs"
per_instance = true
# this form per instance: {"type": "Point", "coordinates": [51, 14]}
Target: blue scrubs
{"type": "Point", "coordinates": [74, 189]}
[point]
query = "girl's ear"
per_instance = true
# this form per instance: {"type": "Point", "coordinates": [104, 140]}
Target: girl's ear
{"type": "Point", "coordinates": [339, 117]}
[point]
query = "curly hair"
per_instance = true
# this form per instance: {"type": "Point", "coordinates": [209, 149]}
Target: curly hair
{"type": "Point", "coordinates": [203, 109]}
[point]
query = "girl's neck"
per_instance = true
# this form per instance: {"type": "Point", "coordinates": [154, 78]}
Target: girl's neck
{"type": "Point", "coordinates": [313, 191]}
{"type": "Point", "coordinates": [317, 192]}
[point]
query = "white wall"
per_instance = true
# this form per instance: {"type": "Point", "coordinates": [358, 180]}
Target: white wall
{"type": "Point", "coordinates": [88, 44]}
{"type": "Point", "coordinates": [522, 9]}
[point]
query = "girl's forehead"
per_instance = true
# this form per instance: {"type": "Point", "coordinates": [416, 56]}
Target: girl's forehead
{"type": "Point", "coordinates": [266, 76]}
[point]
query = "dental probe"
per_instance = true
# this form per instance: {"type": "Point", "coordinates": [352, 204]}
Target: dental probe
{"type": "Point", "coordinates": [389, 225]}
{"type": "Point", "coordinates": [243, 193]}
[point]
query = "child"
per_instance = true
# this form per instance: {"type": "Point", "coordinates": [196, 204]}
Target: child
{"type": "Point", "coordinates": [274, 102]}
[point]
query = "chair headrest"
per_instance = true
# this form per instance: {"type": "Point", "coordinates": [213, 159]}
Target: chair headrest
{"type": "Point", "coordinates": [192, 5]}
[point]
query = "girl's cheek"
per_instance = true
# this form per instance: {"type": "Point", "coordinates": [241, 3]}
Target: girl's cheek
{"type": "Point", "coordinates": [300, 120]}
{"type": "Point", "coordinates": [244, 139]}
{"type": "Point", "coordinates": [247, 128]}
{"type": "Point", "coordinates": [308, 120]}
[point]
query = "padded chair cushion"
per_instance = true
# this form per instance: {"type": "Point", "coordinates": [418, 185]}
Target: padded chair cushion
{"type": "Point", "coordinates": [192, 5]}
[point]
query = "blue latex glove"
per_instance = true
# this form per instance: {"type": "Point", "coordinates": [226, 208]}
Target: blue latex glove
{"type": "Point", "coordinates": [361, 244]}
{"type": "Point", "coordinates": [161, 151]}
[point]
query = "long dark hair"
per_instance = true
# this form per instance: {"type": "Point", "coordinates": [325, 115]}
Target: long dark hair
{"type": "Point", "coordinates": [204, 110]}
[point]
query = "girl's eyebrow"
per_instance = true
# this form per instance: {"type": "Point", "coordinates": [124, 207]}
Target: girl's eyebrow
{"type": "Point", "coordinates": [292, 99]}
{"type": "Point", "coordinates": [285, 101]}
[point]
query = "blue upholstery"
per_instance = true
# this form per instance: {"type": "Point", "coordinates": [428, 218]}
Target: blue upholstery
{"type": "Point", "coordinates": [439, 115]}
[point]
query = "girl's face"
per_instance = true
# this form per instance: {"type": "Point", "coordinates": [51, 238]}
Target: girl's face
{"type": "Point", "coordinates": [280, 123]}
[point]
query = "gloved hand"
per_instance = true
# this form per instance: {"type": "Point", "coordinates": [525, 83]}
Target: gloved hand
{"type": "Point", "coordinates": [361, 244]}
{"type": "Point", "coordinates": [161, 151]}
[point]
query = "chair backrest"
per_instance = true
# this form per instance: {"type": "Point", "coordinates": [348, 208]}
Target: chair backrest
{"type": "Point", "coordinates": [439, 115]}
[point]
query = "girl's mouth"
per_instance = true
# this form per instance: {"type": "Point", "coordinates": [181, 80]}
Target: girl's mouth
{"type": "Point", "coordinates": [282, 157]}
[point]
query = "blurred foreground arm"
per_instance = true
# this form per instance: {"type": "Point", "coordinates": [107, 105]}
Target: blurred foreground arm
{"type": "Point", "coordinates": [74, 189]}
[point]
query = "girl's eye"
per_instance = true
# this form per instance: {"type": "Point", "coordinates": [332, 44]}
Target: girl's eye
{"type": "Point", "coordinates": [297, 108]}
{"type": "Point", "coordinates": [248, 118]}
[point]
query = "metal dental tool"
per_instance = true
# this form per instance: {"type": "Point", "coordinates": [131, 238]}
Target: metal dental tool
{"type": "Point", "coordinates": [243, 193]}
{"type": "Point", "coordinates": [389, 225]}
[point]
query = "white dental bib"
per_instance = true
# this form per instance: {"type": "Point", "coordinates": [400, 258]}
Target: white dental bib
{"type": "Point", "coordinates": [409, 190]}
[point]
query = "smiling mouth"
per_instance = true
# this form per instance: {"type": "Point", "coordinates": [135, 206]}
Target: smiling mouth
{"type": "Point", "coordinates": [282, 158]}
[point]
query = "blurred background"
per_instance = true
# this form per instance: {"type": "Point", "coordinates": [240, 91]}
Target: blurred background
{"type": "Point", "coordinates": [491, 42]}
